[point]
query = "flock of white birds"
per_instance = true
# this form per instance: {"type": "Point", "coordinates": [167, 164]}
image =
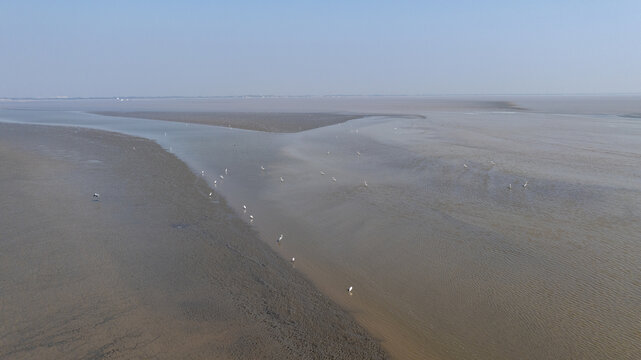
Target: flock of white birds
{"type": "Point", "coordinates": [96, 196]}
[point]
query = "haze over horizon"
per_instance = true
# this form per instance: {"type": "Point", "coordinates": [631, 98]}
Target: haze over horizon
{"type": "Point", "coordinates": [198, 48]}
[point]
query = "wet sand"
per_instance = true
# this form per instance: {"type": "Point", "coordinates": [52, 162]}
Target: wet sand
{"type": "Point", "coordinates": [259, 121]}
{"type": "Point", "coordinates": [154, 269]}
{"type": "Point", "coordinates": [446, 261]}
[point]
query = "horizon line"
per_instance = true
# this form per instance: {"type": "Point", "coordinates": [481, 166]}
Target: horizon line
{"type": "Point", "coordinates": [256, 96]}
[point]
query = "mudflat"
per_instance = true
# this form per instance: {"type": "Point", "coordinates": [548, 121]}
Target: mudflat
{"type": "Point", "coordinates": [156, 268]}
{"type": "Point", "coordinates": [259, 121]}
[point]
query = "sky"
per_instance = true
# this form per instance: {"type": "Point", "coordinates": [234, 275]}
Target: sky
{"type": "Point", "coordinates": [215, 48]}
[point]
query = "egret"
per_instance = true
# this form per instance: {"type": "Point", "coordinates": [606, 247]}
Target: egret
{"type": "Point", "coordinates": [280, 238]}
{"type": "Point", "coordinates": [226, 171]}
{"type": "Point", "coordinates": [202, 172]}
{"type": "Point", "coordinates": [222, 177]}
{"type": "Point", "coordinates": [281, 179]}
{"type": "Point", "coordinates": [358, 153]}
{"type": "Point", "coordinates": [525, 185]}
{"type": "Point", "coordinates": [509, 187]}
{"type": "Point", "coordinates": [364, 183]}
{"type": "Point", "coordinates": [322, 172]}
{"type": "Point", "coordinates": [465, 166]}
{"type": "Point", "coordinates": [210, 194]}
{"type": "Point", "coordinates": [333, 179]}
{"type": "Point", "coordinates": [293, 259]}
{"type": "Point", "coordinates": [245, 207]}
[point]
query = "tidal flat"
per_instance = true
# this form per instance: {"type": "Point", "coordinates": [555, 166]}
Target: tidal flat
{"type": "Point", "coordinates": [469, 227]}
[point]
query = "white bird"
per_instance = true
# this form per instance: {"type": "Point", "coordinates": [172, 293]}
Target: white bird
{"type": "Point", "coordinates": [492, 162]}
{"type": "Point", "coordinates": [280, 238]}
{"type": "Point", "coordinates": [509, 187]}
{"type": "Point", "coordinates": [226, 172]}
{"type": "Point", "coordinates": [281, 179]}
{"type": "Point", "coordinates": [202, 172]}
{"type": "Point", "coordinates": [96, 196]}
{"type": "Point", "coordinates": [210, 194]}
{"type": "Point", "coordinates": [465, 166]}
{"type": "Point", "coordinates": [322, 172]}
{"type": "Point", "coordinates": [245, 207]}
{"type": "Point", "coordinates": [364, 183]}
{"type": "Point", "coordinates": [349, 289]}
{"type": "Point", "coordinates": [525, 185]}
{"type": "Point", "coordinates": [293, 259]}
{"type": "Point", "coordinates": [222, 177]}
{"type": "Point", "coordinates": [333, 179]}
{"type": "Point", "coordinates": [358, 153]}
{"type": "Point", "coordinates": [262, 167]}
{"type": "Point", "coordinates": [215, 183]}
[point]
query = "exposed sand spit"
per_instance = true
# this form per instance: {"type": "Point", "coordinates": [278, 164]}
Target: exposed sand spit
{"type": "Point", "coordinates": [116, 278]}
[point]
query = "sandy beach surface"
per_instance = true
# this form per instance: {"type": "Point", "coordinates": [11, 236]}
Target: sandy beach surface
{"type": "Point", "coordinates": [155, 269]}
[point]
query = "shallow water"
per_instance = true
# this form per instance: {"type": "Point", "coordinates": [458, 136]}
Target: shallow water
{"type": "Point", "coordinates": [445, 260]}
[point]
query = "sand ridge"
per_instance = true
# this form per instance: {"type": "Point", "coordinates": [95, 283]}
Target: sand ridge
{"type": "Point", "coordinates": [155, 269]}
{"type": "Point", "coordinates": [258, 121]}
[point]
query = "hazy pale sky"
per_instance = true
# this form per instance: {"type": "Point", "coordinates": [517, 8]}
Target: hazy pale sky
{"type": "Point", "coordinates": [208, 48]}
